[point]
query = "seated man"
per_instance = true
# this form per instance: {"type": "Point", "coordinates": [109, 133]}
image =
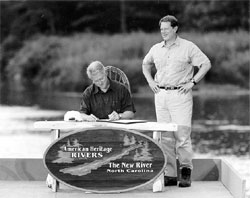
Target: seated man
{"type": "Point", "coordinates": [105, 98]}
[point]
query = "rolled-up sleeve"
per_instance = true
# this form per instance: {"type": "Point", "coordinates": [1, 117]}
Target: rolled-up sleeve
{"type": "Point", "coordinates": [197, 56]}
{"type": "Point", "coordinates": [148, 59]}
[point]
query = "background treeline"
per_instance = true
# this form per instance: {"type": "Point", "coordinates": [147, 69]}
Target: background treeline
{"type": "Point", "coordinates": [53, 62]}
{"type": "Point", "coordinates": [24, 18]}
{"type": "Point", "coordinates": [49, 44]}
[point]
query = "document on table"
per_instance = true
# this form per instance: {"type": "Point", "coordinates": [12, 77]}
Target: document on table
{"type": "Point", "coordinates": [123, 121]}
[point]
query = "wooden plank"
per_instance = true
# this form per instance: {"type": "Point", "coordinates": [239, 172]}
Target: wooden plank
{"type": "Point", "coordinates": [158, 185]}
{"type": "Point", "coordinates": [27, 189]}
{"type": "Point", "coordinates": [232, 180]}
{"type": "Point", "coordinates": [22, 169]}
{"type": "Point", "coordinates": [149, 126]}
{"type": "Point", "coordinates": [50, 181]}
{"type": "Point", "coordinates": [206, 169]}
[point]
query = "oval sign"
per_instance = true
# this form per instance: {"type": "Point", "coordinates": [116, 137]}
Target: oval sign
{"type": "Point", "coordinates": [105, 160]}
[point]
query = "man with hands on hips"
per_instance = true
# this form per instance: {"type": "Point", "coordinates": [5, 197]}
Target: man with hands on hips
{"type": "Point", "coordinates": [174, 59]}
{"type": "Point", "coordinates": [105, 98]}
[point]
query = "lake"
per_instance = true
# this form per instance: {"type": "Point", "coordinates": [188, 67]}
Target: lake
{"type": "Point", "coordinates": [214, 109]}
{"type": "Point", "coordinates": [220, 124]}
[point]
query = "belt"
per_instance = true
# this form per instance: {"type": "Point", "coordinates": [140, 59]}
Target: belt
{"type": "Point", "coordinates": [169, 88]}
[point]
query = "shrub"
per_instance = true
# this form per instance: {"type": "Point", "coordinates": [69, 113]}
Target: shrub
{"type": "Point", "coordinates": [59, 63]}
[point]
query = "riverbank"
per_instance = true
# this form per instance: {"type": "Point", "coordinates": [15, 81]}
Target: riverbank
{"type": "Point", "coordinates": [202, 89]}
{"type": "Point", "coordinates": [19, 120]}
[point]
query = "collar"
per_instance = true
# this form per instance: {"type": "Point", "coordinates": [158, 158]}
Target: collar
{"type": "Point", "coordinates": [176, 42]}
{"type": "Point", "coordinates": [97, 89]}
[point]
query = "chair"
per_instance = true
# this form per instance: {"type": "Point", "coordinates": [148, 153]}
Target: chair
{"type": "Point", "coordinates": [118, 75]}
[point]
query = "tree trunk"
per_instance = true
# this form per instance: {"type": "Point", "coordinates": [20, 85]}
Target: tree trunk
{"type": "Point", "coordinates": [123, 16]}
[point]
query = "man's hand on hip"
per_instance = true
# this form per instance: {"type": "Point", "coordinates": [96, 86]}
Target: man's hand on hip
{"type": "Point", "coordinates": [154, 86]}
{"type": "Point", "coordinates": [185, 88]}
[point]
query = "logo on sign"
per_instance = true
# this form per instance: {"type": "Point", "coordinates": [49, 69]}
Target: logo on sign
{"type": "Point", "coordinates": [73, 150]}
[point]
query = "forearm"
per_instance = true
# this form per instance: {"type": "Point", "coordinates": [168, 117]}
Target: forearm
{"type": "Point", "coordinates": [127, 115]}
{"type": "Point", "coordinates": [86, 117]}
{"type": "Point", "coordinates": [146, 69]}
{"type": "Point", "coordinates": [202, 72]}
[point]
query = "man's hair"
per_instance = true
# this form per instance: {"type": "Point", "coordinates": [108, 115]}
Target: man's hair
{"type": "Point", "coordinates": [94, 68]}
{"type": "Point", "coordinates": [169, 18]}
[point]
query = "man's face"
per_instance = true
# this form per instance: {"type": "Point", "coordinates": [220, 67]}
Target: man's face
{"type": "Point", "coordinates": [167, 31]}
{"type": "Point", "coordinates": [100, 80]}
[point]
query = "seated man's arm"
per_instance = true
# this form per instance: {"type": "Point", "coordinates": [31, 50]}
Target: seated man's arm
{"type": "Point", "coordinates": [128, 109]}
{"type": "Point", "coordinates": [127, 115]}
{"type": "Point", "coordinates": [79, 116]}
{"type": "Point", "coordinates": [85, 109]}
{"type": "Point", "coordinates": [88, 118]}
{"type": "Point", "coordinates": [117, 116]}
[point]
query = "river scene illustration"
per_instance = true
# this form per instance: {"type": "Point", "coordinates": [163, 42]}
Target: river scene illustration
{"type": "Point", "coordinates": [105, 159]}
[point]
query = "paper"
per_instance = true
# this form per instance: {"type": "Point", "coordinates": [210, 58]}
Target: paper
{"type": "Point", "coordinates": [122, 121]}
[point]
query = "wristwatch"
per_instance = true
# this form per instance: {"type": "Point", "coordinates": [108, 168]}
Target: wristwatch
{"type": "Point", "coordinates": [120, 116]}
{"type": "Point", "coordinates": [193, 81]}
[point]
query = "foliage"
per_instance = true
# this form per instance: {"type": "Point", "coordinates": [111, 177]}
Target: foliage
{"type": "Point", "coordinates": [26, 18]}
{"type": "Point", "coordinates": [10, 45]}
{"type": "Point", "coordinates": [21, 20]}
{"type": "Point", "coordinates": [229, 54]}
{"type": "Point", "coordinates": [59, 63]}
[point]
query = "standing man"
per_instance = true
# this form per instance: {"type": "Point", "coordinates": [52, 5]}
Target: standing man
{"type": "Point", "coordinates": [174, 59]}
{"type": "Point", "coordinates": [105, 98]}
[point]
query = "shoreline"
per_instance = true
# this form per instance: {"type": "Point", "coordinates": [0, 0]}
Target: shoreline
{"type": "Point", "coordinates": [202, 89]}
{"type": "Point", "coordinates": [208, 90]}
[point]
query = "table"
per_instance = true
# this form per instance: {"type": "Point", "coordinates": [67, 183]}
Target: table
{"type": "Point", "coordinates": [157, 128]}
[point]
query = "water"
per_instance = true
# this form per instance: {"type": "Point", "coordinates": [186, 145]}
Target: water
{"type": "Point", "coordinates": [213, 110]}
{"type": "Point", "coordinates": [209, 113]}
{"type": "Point", "coordinates": [220, 122]}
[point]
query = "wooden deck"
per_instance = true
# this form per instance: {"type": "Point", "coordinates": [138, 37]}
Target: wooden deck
{"type": "Point", "coordinates": [25, 178]}
{"type": "Point", "coordinates": [38, 189]}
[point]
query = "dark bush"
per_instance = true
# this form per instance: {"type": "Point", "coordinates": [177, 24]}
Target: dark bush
{"type": "Point", "coordinates": [59, 63]}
